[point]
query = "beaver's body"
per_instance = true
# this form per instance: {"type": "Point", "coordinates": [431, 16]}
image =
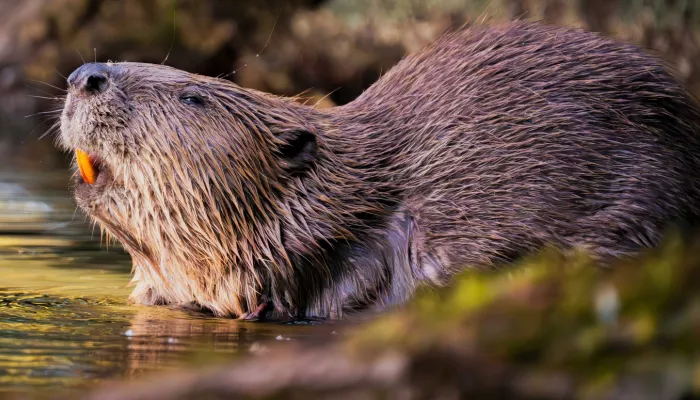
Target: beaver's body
{"type": "Point", "coordinates": [489, 144]}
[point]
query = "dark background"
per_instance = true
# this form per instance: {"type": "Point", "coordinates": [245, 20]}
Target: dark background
{"type": "Point", "coordinates": [329, 50]}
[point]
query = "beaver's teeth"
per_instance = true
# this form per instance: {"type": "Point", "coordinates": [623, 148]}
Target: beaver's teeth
{"type": "Point", "coordinates": [86, 166]}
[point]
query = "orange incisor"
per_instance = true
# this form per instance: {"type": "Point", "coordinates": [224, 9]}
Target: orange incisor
{"type": "Point", "coordinates": [86, 167]}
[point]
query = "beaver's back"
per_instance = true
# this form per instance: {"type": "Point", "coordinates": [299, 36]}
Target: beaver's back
{"type": "Point", "coordinates": [501, 139]}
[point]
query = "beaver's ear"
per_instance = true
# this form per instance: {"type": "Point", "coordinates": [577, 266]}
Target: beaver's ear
{"type": "Point", "coordinates": [298, 150]}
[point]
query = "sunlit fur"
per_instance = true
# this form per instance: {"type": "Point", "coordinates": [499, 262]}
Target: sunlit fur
{"type": "Point", "coordinates": [486, 145]}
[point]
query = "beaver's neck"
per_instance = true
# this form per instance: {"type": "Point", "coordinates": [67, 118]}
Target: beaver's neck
{"type": "Point", "coordinates": [347, 233]}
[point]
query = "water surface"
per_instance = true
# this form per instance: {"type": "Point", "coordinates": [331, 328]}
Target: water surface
{"type": "Point", "coordinates": [64, 320]}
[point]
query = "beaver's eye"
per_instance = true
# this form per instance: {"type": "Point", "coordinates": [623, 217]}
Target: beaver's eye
{"type": "Point", "coordinates": [192, 99]}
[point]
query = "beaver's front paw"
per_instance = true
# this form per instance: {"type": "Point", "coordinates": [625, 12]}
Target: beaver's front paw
{"type": "Point", "coordinates": [259, 313]}
{"type": "Point", "coordinates": [145, 295]}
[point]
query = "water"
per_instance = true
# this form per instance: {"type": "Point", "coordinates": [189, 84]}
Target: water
{"type": "Point", "coordinates": [64, 320]}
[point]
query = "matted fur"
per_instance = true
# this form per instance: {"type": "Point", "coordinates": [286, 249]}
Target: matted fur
{"type": "Point", "coordinates": [488, 144]}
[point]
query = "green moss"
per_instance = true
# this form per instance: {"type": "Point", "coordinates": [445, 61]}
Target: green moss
{"type": "Point", "coordinates": [559, 314]}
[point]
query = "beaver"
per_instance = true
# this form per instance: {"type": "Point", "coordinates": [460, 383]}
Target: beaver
{"type": "Point", "coordinates": [491, 143]}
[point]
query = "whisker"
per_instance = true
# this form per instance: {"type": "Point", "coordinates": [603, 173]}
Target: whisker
{"type": "Point", "coordinates": [172, 40]}
{"type": "Point", "coordinates": [49, 119]}
{"type": "Point", "coordinates": [50, 112]}
{"type": "Point", "coordinates": [274, 24]}
{"type": "Point", "coordinates": [48, 84]}
{"type": "Point", "coordinates": [80, 55]}
{"type": "Point", "coordinates": [40, 91]}
{"type": "Point", "coordinates": [233, 72]}
{"type": "Point", "coordinates": [55, 127]}
{"type": "Point", "coordinates": [59, 74]}
{"type": "Point", "coordinates": [33, 130]}
{"type": "Point", "coordinates": [44, 97]}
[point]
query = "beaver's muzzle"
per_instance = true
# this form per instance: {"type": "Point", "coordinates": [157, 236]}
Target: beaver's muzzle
{"type": "Point", "coordinates": [86, 81]}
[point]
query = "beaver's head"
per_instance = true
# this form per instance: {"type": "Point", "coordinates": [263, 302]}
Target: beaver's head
{"type": "Point", "coordinates": [193, 175]}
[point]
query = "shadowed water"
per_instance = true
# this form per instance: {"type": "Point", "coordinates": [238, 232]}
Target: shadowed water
{"type": "Point", "coordinates": [64, 320]}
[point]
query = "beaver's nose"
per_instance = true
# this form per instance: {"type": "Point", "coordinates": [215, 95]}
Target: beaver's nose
{"type": "Point", "coordinates": [91, 78]}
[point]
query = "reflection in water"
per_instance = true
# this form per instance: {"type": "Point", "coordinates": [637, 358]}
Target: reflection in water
{"type": "Point", "coordinates": [64, 321]}
{"type": "Point", "coordinates": [164, 339]}
{"type": "Point", "coordinates": [58, 325]}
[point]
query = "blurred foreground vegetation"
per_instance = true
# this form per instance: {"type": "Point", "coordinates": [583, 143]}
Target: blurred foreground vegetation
{"type": "Point", "coordinates": [555, 327]}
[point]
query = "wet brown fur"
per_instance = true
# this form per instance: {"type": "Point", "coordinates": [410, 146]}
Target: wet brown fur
{"type": "Point", "coordinates": [488, 144]}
